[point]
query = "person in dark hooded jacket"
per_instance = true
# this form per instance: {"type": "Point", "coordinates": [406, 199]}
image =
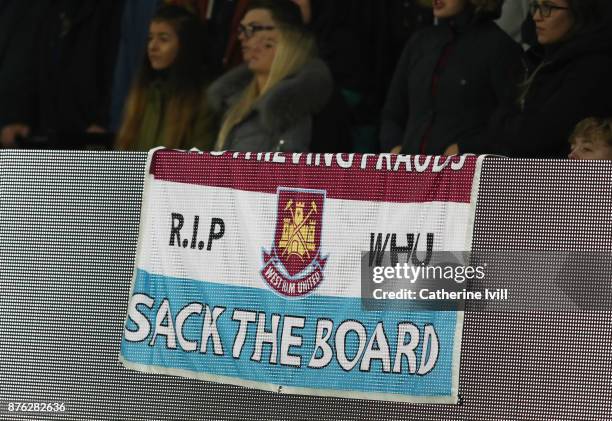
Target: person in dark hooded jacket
{"type": "Point", "coordinates": [449, 81]}
{"type": "Point", "coordinates": [571, 82]}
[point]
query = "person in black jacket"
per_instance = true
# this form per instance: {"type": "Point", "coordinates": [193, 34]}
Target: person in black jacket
{"type": "Point", "coordinates": [20, 23]}
{"type": "Point", "coordinates": [73, 60]}
{"type": "Point", "coordinates": [571, 82]}
{"type": "Point", "coordinates": [449, 81]}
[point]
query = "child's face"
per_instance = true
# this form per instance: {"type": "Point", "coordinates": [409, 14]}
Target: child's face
{"type": "Point", "coordinates": [596, 149]}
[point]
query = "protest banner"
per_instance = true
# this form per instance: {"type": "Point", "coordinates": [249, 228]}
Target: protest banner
{"type": "Point", "coordinates": [248, 271]}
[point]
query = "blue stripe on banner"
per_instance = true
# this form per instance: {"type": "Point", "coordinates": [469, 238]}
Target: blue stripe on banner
{"type": "Point", "coordinates": [164, 344]}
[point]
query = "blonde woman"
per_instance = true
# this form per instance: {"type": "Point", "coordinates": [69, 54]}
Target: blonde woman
{"type": "Point", "coordinates": [268, 104]}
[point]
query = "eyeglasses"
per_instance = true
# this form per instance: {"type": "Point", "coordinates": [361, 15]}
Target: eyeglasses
{"type": "Point", "coordinates": [545, 8]}
{"type": "Point", "coordinates": [249, 30]}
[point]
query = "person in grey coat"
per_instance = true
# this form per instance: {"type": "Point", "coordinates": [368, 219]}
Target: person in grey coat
{"type": "Point", "coordinates": [269, 103]}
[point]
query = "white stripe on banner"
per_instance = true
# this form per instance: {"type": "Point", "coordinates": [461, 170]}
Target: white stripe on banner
{"type": "Point", "coordinates": [248, 231]}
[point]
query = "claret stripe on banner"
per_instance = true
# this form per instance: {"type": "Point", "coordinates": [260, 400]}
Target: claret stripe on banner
{"type": "Point", "coordinates": [379, 178]}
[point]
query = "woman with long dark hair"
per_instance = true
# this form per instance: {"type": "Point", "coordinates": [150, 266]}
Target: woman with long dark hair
{"type": "Point", "coordinates": [167, 106]}
{"type": "Point", "coordinates": [569, 82]}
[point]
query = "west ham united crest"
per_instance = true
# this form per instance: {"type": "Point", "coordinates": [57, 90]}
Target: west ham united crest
{"type": "Point", "coordinates": [294, 267]}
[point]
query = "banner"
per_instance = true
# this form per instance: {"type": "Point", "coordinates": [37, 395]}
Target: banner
{"type": "Point", "coordinates": [248, 271]}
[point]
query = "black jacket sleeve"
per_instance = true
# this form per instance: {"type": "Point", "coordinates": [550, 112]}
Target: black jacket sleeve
{"type": "Point", "coordinates": [506, 70]}
{"type": "Point", "coordinates": [21, 22]}
{"type": "Point", "coordinates": [108, 44]}
{"type": "Point", "coordinates": [396, 110]}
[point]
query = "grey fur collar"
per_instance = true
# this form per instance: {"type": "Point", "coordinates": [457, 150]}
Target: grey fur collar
{"type": "Point", "coordinates": [297, 96]}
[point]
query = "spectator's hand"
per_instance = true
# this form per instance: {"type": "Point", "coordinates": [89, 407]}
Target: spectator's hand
{"type": "Point", "coordinates": [11, 132]}
{"type": "Point", "coordinates": [397, 149]}
{"type": "Point", "coordinates": [95, 129]}
{"type": "Point", "coordinates": [452, 150]}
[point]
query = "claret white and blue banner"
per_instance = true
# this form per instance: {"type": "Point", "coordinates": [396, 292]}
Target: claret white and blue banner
{"type": "Point", "coordinates": [248, 272]}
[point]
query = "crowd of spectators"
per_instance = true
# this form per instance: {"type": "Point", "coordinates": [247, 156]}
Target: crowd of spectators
{"type": "Point", "coordinates": [443, 77]}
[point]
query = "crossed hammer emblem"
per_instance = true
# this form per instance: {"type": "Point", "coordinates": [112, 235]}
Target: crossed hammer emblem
{"type": "Point", "coordinates": [296, 233]}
